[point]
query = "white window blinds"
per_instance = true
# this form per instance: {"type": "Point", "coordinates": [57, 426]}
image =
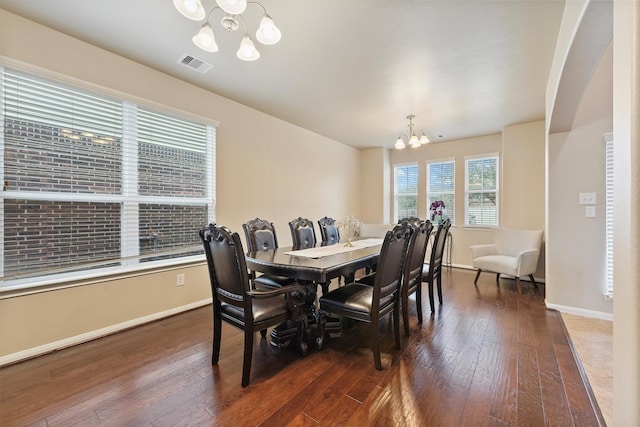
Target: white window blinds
{"type": "Point", "coordinates": [441, 185]}
{"type": "Point", "coordinates": [609, 212]}
{"type": "Point", "coordinates": [481, 191]}
{"type": "Point", "coordinates": [405, 191]}
{"type": "Point", "coordinates": [92, 181]}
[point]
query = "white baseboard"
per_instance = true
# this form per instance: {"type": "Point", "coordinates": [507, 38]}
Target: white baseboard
{"type": "Point", "coordinates": [580, 311]}
{"type": "Point", "coordinates": [99, 333]}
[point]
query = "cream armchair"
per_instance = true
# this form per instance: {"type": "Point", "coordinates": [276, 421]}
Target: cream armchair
{"type": "Point", "coordinates": [513, 252]}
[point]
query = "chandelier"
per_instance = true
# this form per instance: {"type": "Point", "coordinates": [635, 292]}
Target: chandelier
{"type": "Point", "coordinates": [413, 140]}
{"type": "Point", "coordinates": [231, 10]}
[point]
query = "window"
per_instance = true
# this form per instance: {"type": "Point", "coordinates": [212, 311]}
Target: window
{"type": "Point", "coordinates": [481, 191]}
{"type": "Point", "coordinates": [93, 182]}
{"type": "Point", "coordinates": [441, 186]}
{"type": "Point", "coordinates": [609, 212]}
{"type": "Point", "coordinates": [405, 192]}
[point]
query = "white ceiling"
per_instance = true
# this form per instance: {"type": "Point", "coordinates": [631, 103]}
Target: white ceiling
{"type": "Point", "coordinates": [351, 70]}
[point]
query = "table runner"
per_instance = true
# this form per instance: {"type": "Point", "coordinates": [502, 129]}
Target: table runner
{"type": "Point", "coordinates": [338, 248]}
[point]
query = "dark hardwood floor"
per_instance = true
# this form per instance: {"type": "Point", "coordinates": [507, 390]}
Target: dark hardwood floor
{"type": "Point", "coordinates": [488, 357]}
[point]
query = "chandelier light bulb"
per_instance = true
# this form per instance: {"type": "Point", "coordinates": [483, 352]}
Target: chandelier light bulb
{"type": "Point", "coordinates": [191, 9]}
{"type": "Point", "coordinates": [414, 142]}
{"type": "Point", "coordinates": [234, 7]}
{"type": "Point", "coordinates": [424, 139]}
{"type": "Point", "coordinates": [205, 39]}
{"type": "Point", "coordinates": [399, 143]}
{"type": "Point", "coordinates": [247, 51]}
{"type": "Point", "coordinates": [268, 33]}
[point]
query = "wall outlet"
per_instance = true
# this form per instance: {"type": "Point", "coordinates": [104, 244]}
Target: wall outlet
{"type": "Point", "coordinates": [590, 211]}
{"type": "Point", "coordinates": [180, 280]}
{"type": "Point", "coordinates": [587, 198]}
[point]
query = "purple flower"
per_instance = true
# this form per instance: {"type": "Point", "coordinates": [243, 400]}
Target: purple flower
{"type": "Point", "coordinates": [436, 208]}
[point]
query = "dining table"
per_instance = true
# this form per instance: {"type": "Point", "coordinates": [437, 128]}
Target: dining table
{"type": "Point", "coordinates": [314, 267]}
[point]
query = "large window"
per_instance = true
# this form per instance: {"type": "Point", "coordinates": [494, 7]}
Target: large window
{"type": "Point", "coordinates": [441, 186]}
{"type": "Point", "coordinates": [405, 193]}
{"type": "Point", "coordinates": [92, 182]}
{"type": "Point", "coordinates": [481, 191]}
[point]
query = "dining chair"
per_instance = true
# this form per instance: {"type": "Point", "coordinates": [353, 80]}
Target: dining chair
{"type": "Point", "coordinates": [372, 303]}
{"type": "Point", "coordinates": [260, 235]}
{"type": "Point", "coordinates": [303, 235]}
{"type": "Point", "coordinates": [433, 270]}
{"type": "Point", "coordinates": [236, 303]}
{"type": "Point", "coordinates": [329, 232]}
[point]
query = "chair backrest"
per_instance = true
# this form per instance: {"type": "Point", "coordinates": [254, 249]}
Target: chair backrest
{"type": "Point", "coordinates": [303, 234]}
{"type": "Point", "coordinates": [512, 241]}
{"type": "Point", "coordinates": [227, 266]}
{"type": "Point", "coordinates": [390, 268]}
{"type": "Point", "coordinates": [329, 232]}
{"type": "Point", "coordinates": [437, 251]}
{"type": "Point", "coordinates": [415, 221]}
{"type": "Point", "coordinates": [260, 235]}
{"type": "Point", "coordinates": [417, 251]}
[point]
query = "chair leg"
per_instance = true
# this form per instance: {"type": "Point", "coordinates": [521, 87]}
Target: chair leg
{"type": "Point", "coordinates": [535, 284]}
{"type": "Point", "coordinates": [419, 302]}
{"type": "Point", "coordinates": [518, 285]}
{"type": "Point", "coordinates": [248, 354]}
{"type": "Point", "coordinates": [439, 283]}
{"type": "Point", "coordinates": [431, 302]}
{"type": "Point", "coordinates": [405, 315]}
{"type": "Point", "coordinates": [475, 282]}
{"type": "Point", "coordinates": [375, 337]}
{"type": "Point", "coordinates": [396, 324]}
{"type": "Point", "coordinates": [217, 329]}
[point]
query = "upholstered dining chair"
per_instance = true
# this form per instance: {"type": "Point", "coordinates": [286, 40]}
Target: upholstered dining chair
{"type": "Point", "coordinates": [260, 235]}
{"type": "Point", "coordinates": [303, 235]}
{"type": "Point", "coordinates": [412, 274]}
{"type": "Point", "coordinates": [372, 303]}
{"type": "Point", "coordinates": [236, 303]}
{"type": "Point", "coordinates": [329, 232]}
{"type": "Point", "coordinates": [432, 272]}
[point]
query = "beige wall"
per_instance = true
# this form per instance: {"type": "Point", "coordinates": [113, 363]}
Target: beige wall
{"type": "Point", "coordinates": [374, 186]}
{"type": "Point", "coordinates": [576, 244]}
{"type": "Point", "coordinates": [265, 167]}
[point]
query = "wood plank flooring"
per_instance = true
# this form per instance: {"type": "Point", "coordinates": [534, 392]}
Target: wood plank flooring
{"type": "Point", "coordinates": [488, 357]}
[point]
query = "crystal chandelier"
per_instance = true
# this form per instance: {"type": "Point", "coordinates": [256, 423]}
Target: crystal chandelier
{"type": "Point", "coordinates": [413, 140]}
{"type": "Point", "coordinates": [232, 11]}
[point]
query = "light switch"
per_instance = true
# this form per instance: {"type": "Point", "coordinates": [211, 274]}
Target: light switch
{"type": "Point", "coordinates": [590, 211]}
{"type": "Point", "coordinates": [587, 198]}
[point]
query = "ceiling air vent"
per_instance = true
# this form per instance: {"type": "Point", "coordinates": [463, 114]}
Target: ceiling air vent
{"type": "Point", "coordinates": [195, 63]}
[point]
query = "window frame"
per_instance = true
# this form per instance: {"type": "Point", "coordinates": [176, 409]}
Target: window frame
{"type": "Point", "coordinates": [396, 195]}
{"type": "Point", "coordinates": [129, 257]}
{"type": "Point", "coordinates": [468, 192]}
{"type": "Point", "coordinates": [451, 210]}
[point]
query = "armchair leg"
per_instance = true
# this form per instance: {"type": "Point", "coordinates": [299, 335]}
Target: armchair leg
{"type": "Point", "coordinates": [518, 285]}
{"type": "Point", "coordinates": [535, 284]}
{"type": "Point", "coordinates": [498, 279]}
{"type": "Point", "coordinates": [475, 282]}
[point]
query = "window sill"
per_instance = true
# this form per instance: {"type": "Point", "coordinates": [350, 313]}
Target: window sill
{"type": "Point", "coordinates": [21, 287]}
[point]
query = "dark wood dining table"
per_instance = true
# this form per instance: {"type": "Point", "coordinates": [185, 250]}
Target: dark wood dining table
{"type": "Point", "coordinates": [318, 270]}
{"type": "Point", "coordinates": [313, 271]}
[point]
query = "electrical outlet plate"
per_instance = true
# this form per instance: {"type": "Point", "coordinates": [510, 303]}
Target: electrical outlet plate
{"type": "Point", "coordinates": [587, 198]}
{"type": "Point", "coordinates": [590, 211]}
{"type": "Point", "coordinates": [180, 280]}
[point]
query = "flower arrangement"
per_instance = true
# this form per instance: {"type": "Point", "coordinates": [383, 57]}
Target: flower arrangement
{"type": "Point", "coordinates": [437, 211]}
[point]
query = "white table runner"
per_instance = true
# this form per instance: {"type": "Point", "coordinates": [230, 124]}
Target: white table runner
{"type": "Point", "coordinates": [338, 248]}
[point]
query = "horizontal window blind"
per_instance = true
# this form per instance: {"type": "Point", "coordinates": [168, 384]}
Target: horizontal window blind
{"type": "Point", "coordinates": [94, 182]}
{"type": "Point", "coordinates": [405, 191]}
{"type": "Point", "coordinates": [481, 191]}
{"type": "Point", "coordinates": [609, 214]}
{"type": "Point", "coordinates": [441, 184]}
